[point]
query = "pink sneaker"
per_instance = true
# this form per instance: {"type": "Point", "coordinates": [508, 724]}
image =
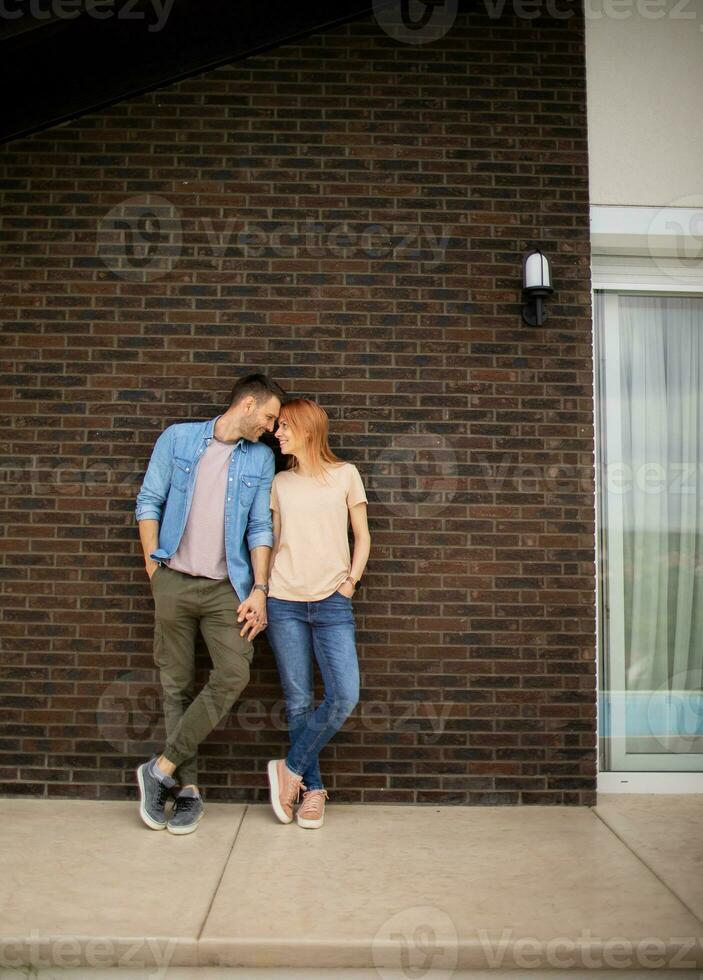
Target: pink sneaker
{"type": "Point", "coordinates": [311, 812]}
{"type": "Point", "coordinates": [285, 789]}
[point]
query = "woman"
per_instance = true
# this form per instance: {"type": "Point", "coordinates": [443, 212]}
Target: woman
{"type": "Point", "coordinates": [309, 609]}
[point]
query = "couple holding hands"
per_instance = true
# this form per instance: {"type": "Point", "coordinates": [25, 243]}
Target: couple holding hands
{"type": "Point", "coordinates": [232, 549]}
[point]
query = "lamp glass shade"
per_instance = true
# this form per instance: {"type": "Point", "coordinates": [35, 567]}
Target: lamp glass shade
{"type": "Point", "coordinates": [537, 273]}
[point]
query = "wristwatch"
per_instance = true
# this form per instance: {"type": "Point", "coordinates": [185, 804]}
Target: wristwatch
{"type": "Point", "coordinates": [355, 582]}
{"type": "Point", "coordinates": [264, 588]}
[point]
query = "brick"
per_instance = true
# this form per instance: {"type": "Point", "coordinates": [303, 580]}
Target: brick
{"type": "Point", "coordinates": [476, 626]}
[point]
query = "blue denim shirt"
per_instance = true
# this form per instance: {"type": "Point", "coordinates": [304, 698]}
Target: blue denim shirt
{"type": "Point", "coordinates": [167, 492]}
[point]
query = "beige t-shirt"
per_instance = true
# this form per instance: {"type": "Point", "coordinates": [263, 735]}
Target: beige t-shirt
{"type": "Point", "coordinates": [312, 558]}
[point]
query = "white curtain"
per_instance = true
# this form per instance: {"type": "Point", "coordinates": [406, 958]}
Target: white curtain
{"type": "Point", "coordinates": [659, 346]}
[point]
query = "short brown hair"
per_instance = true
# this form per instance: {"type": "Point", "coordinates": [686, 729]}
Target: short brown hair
{"type": "Point", "coordinates": [260, 386]}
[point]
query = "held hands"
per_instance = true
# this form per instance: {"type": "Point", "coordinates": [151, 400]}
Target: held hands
{"type": "Point", "coordinates": [253, 611]}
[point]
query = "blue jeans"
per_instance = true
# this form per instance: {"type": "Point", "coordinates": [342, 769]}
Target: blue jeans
{"type": "Point", "coordinates": [296, 631]}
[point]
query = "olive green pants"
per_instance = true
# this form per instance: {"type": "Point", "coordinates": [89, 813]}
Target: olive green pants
{"type": "Point", "coordinates": [182, 604]}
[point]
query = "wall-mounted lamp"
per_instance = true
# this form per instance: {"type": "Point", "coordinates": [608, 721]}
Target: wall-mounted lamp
{"type": "Point", "coordinates": [536, 283]}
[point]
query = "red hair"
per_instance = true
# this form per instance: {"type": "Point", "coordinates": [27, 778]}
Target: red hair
{"type": "Point", "coordinates": [309, 421]}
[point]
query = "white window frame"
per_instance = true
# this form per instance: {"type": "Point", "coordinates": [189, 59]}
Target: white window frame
{"type": "Point", "coordinates": [642, 250]}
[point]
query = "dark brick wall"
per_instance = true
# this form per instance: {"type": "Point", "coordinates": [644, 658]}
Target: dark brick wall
{"type": "Point", "coordinates": [473, 432]}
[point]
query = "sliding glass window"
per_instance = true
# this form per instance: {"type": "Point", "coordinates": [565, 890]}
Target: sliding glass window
{"type": "Point", "coordinates": [649, 404]}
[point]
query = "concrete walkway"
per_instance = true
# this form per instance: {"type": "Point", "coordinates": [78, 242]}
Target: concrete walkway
{"type": "Point", "coordinates": [396, 891]}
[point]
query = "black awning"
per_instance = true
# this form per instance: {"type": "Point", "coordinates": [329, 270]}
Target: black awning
{"type": "Point", "coordinates": [60, 59]}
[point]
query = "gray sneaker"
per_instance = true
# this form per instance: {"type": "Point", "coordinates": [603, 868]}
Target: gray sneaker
{"type": "Point", "coordinates": [186, 815]}
{"type": "Point", "coordinates": [153, 798]}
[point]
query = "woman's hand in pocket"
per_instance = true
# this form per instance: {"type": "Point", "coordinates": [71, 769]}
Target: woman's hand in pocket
{"type": "Point", "coordinates": [346, 589]}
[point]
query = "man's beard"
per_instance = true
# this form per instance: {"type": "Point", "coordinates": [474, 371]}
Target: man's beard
{"type": "Point", "coordinates": [252, 433]}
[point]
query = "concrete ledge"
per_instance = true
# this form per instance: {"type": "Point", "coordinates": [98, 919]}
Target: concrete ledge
{"type": "Point", "coordinates": [397, 891]}
{"type": "Point", "coordinates": [292, 973]}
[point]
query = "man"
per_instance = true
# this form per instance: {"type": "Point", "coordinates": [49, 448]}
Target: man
{"type": "Point", "coordinates": [206, 530]}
